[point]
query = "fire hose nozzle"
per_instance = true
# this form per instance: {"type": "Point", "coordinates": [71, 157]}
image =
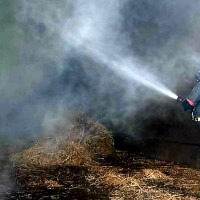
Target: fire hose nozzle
{"type": "Point", "coordinates": [180, 99]}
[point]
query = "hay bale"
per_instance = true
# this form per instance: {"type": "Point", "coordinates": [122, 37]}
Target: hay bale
{"type": "Point", "coordinates": [78, 143]}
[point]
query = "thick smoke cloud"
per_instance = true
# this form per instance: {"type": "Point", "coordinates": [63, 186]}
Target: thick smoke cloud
{"type": "Point", "coordinates": [63, 51]}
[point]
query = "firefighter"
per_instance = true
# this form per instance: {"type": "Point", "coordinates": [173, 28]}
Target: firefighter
{"type": "Point", "coordinates": [192, 102]}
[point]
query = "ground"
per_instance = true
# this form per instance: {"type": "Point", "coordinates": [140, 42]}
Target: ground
{"type": "Point", "coordinates": [122, 176]}
{"type": "Point", "coordinates": [79, 161]}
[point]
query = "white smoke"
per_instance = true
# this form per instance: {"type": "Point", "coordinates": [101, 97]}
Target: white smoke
{"type": "Point", "coordinates": [97, 31]}
{"type": "Point", "coordinates": [56, 31]}
{"type": "Point", "coordinates": [124, 38]}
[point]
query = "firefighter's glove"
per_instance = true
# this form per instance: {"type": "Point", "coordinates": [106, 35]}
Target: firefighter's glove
{"type": "Point", "coordinates": [180, 99]}
{"type": "Point", "coordinates": [186, 105]}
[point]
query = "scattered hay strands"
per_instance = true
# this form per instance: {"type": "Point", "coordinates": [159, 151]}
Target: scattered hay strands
{"type": "Point", "coordinates": [116, 179]}
{"type": "Point", "coordinates": [129, 185]}
{"type": "Point", "coordinates": [155, 174]}
{"type": "Point", "coordinates": [124, 186]}
{"type": "Point", "coordinates": [52, 184]}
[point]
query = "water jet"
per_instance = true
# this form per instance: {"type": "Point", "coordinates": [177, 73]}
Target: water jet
{"type": "Point", "coordinates": [126, 68]}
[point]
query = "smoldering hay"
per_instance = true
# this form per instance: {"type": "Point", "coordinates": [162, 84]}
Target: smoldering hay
{"type": "Point", "coordinates": [82, 142]}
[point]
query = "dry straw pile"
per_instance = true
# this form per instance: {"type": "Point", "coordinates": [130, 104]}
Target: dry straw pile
{"type": "Point", "coordinates": [83, 141]}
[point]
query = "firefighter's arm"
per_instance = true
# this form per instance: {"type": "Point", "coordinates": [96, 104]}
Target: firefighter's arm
{"type": "Point", "coordinates": [187, 104]}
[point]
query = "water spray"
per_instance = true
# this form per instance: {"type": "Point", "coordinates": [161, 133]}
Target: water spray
{"type": "Point", "coordinates": [123, 68]}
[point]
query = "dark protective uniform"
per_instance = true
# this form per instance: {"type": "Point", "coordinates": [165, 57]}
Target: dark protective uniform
{"type": "Point", "coordinates": [194, 102]}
